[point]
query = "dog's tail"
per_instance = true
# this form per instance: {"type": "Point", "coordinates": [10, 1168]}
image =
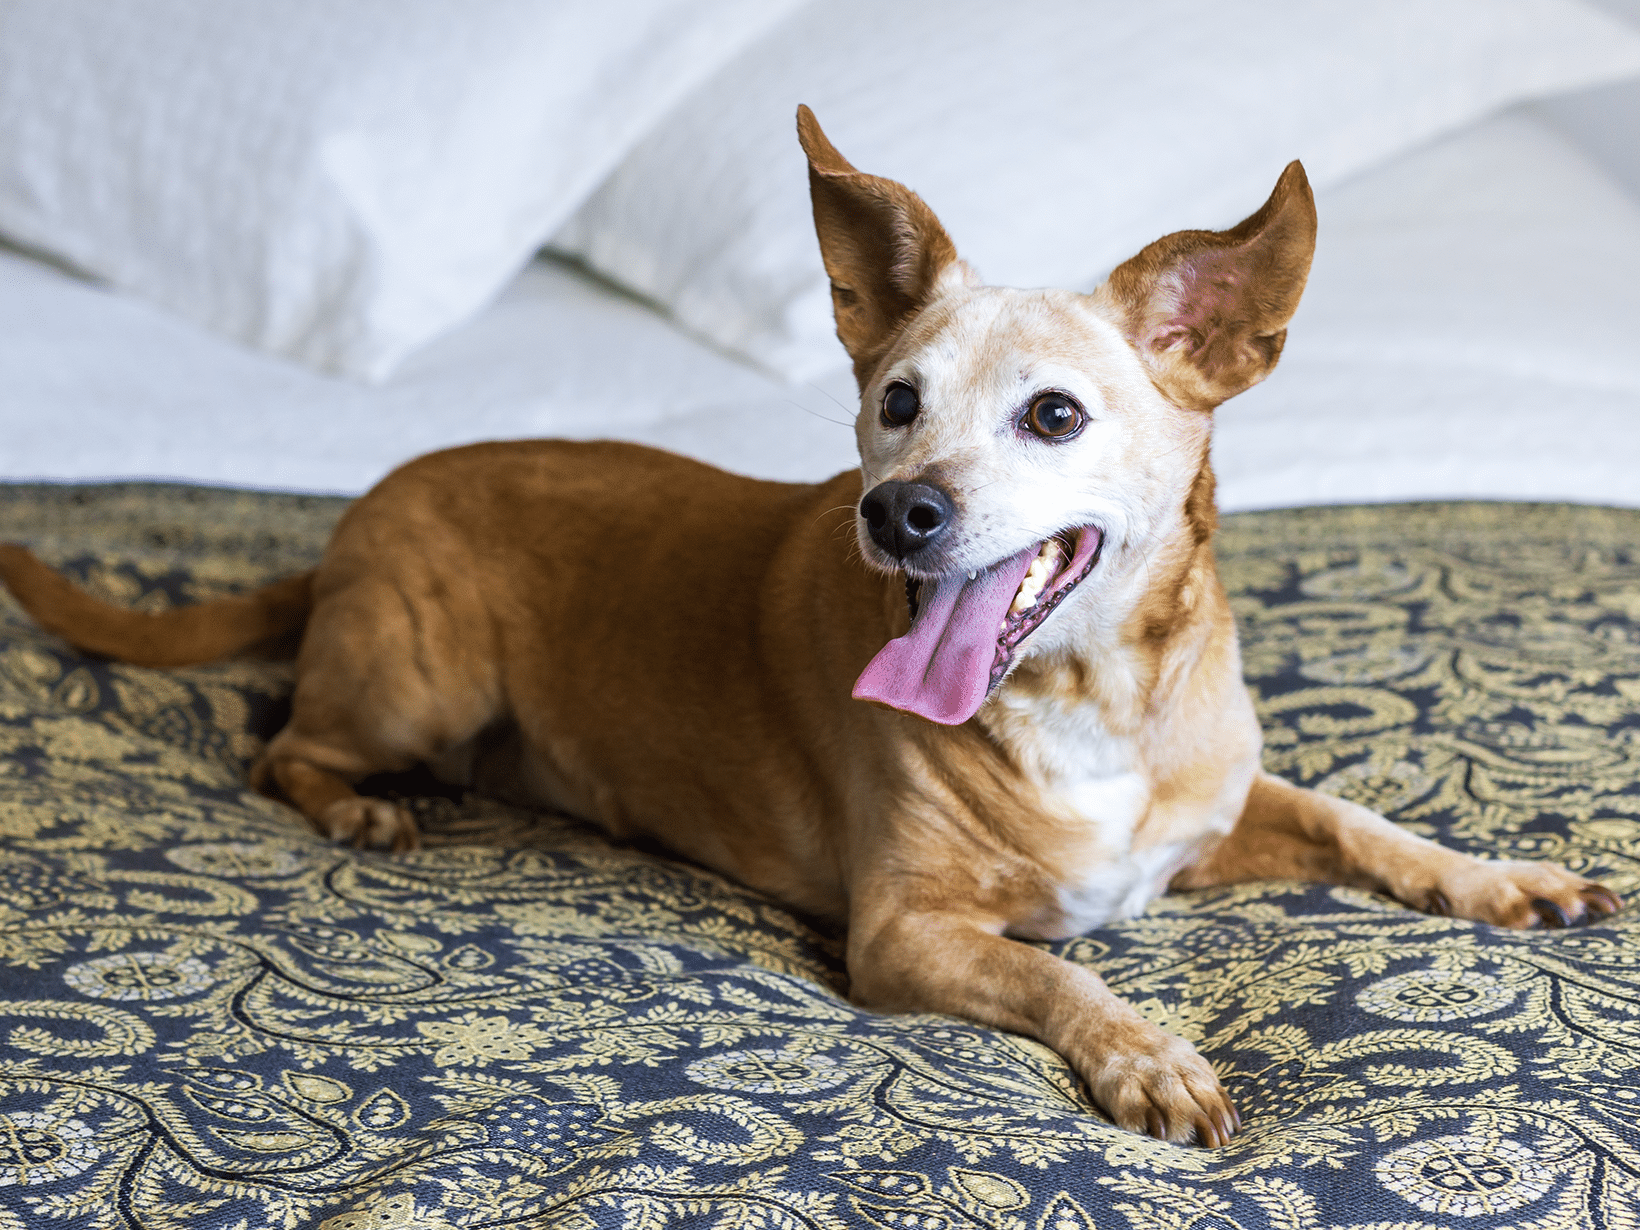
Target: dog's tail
{"type": "Point", "coordinates": [179, 637]}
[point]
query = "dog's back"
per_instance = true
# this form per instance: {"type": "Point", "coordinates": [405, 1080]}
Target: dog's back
{"type": "Point", "coordinates": [671, 639]}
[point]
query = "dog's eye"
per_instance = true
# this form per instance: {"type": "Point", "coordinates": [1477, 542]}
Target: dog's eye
{"type": "Point", "coordinates": [1053, 416]}
{"type": "Point", "coordinates": [900, 404]}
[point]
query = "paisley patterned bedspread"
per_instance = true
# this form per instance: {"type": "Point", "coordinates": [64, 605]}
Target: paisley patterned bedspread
{"type": "Point", "coordinates": [212, 1019]}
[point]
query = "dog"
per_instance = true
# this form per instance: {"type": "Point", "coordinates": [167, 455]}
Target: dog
{"type": "Point", "coordinates": [986, 688]}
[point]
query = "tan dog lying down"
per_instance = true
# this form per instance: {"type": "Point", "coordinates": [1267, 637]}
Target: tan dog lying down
{"type": "Point", "coordinates": [671, 650]}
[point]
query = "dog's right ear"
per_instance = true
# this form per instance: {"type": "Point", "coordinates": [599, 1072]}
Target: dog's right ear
{"type": "Point", "coordinates": [884, 250]}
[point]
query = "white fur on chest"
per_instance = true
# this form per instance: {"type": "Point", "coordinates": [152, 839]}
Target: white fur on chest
{"type": "Point", "coordinates": [1121, 888]}
{"type": "Point", "coordinates": [1096, 780]}
{"type": "Point", "coordinates": [1111, 879]}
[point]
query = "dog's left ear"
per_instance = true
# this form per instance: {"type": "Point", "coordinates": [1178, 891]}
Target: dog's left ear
{"type": "Point", "coordinates": [884, 250]}
{"type": "Point", "coordinates": [1208, 310]}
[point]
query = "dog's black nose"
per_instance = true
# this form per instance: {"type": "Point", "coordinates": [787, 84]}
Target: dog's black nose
{"type": "Point", "coordinates": [905, 517]}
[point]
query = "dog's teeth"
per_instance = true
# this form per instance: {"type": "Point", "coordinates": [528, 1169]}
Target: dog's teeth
{"type": "Point", "coordinates": [1036, 577]}
{"type": "Point", "coordinates": [974, 575]}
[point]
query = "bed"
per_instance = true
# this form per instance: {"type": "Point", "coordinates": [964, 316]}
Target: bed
{"type": "Point", "coordinates": [211, 1018]}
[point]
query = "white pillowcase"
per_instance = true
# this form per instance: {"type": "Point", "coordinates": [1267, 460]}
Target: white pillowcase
{"type": "Point", "coordinates": [332, 180]}
{"type": "Point", "coordinates": [1053, 137]}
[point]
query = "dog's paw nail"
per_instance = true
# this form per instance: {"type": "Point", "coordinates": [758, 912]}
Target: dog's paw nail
{"type": "Point", "coordinates": [1436, 903]}
{"type": "Point", "coordinates": [1601, 901]}
{"type": "Point", "coordinates": [1213, 1131]}
{"type": "Point", "coordinates": [1550, 913]}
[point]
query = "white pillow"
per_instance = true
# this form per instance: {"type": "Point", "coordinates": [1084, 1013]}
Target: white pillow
{"type": "Point", "coordinates": [1054, 139]}
{"type": "Point", "coordinates": [332, 180]}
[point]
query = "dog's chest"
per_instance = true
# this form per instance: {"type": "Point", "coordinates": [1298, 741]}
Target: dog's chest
{"type": "Point", "coordinates": [1099, 874]}
{"type": "Point", "coordinates": [1096, 794]}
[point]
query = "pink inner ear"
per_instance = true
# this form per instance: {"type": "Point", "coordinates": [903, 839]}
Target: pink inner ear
{"type": "Point", "coordinates": [1208, 310]}
{"type": "Point", "coordinates": [1207, 292]}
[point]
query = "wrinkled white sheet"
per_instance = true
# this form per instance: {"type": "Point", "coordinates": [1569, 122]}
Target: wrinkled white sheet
{"type": "Point", "coordinates": [1472, 328]}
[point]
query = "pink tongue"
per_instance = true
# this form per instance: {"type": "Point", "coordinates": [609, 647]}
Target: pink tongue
{"type": "Point", "coordinates": [941, 668]}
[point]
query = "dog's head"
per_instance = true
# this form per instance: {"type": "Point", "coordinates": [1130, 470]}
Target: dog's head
{"type": "Point", "coordinates": [1029, 455]}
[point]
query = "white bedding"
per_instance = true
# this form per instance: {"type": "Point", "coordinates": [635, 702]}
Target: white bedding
{"type": "Point", "coordinates": [1470, 330]}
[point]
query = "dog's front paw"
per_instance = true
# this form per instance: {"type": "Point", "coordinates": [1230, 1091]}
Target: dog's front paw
{"type": "Point", "coordinates": [1157, 1084]}
{"type": "Point", "coordinates": [370, 822]}
{"type": "Point", "coordinates": [1514, 894]}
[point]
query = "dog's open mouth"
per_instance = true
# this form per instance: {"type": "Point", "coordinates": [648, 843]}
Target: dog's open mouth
{"type": "Point", "coordinates": [967, 627]}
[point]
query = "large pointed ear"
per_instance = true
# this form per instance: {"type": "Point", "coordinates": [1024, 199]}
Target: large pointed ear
{"type": "Point", "coordinates": [1208, 310]}
{"type": "Point", "coordinates": [884, 250]}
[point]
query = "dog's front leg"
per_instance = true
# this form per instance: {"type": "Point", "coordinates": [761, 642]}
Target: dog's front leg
{"type": "Point", "coordinates": [1286, 832]}
{"type": "Point", "coordinates": [1145, 1078]}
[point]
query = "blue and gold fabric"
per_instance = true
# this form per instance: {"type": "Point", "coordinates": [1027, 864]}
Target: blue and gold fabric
{"type": "Point", "coordinates": [210, 1019]}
